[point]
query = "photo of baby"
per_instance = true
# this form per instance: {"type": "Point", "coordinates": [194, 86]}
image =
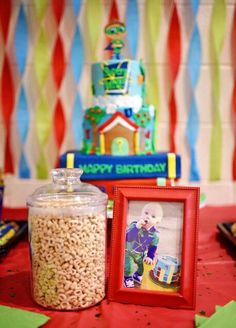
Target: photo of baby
{"type": "Point", "coordinates": [153, 245]}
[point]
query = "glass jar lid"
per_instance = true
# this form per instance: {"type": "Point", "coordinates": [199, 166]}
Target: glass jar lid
{"type": "Point", "coordinates": [65, 190]}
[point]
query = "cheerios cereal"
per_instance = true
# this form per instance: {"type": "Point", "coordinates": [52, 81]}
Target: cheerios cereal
{"type": "Point", "coordinates": [68, 258]}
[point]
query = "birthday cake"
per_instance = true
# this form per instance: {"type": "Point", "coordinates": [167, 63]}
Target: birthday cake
{"type": "Point", "coordinates": [166, 272]}
{"type": "Point", "coordinates": [119, 129]}
{"type": "Point", "coordinates": [120, 122]}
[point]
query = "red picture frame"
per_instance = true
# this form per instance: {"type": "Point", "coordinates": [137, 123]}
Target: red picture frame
{"type": "Point", "coordinates": [181, 205]}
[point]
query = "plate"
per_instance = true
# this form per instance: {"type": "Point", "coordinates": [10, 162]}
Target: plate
{"type": "Point", "coordinates": [22, 230]}
{"type": "Point", "coordinates": [225, 229]}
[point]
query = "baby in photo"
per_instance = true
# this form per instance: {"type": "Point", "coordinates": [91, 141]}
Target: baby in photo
{"type": "Point", "coordinates": [142, 238]}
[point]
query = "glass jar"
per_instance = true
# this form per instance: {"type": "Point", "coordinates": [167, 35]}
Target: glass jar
{"type": "Point", "coordinates": [67, 235]}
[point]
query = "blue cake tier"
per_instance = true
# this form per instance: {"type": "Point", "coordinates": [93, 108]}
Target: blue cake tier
{"type": "Point", "coordinates": [117, 77]}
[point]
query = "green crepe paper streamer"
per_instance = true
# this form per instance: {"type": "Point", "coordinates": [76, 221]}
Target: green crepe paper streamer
{"type": "Point", "coordinates": [41, 59]}
{"type": "Point", "coordinates": [42, 167]}
{"type": "Point", "coordinates": [153, 20]}
{"type": "Point", "coordinates": [218, 24]}
{"type": "Point", "coordinates": [41, 6]}
{"type": "Point", "coordinates": [94, 20]}
{"type": "Point", "coordinates": [217, 37]}
{"type": "Point", "coordinates": [43, 122]}
{"type": "Point", "coordinates": [16, 318]}
{"type": "Point", "coordinates": [43, 127]}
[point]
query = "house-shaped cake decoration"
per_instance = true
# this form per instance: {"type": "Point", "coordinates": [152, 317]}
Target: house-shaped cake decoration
{"type": "Point", "coordinates": [118, 136]}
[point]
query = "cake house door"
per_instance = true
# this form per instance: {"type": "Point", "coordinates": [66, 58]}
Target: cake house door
{"type": "Point", "coordinates": [120, 146]}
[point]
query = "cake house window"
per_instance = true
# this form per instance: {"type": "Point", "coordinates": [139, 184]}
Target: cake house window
{"type": "Point", "coordinates": [87, 133]}
{"type": "Point", "coordinates": [128, 112]}
{"type": "Point", "coordinates": [115, 78]}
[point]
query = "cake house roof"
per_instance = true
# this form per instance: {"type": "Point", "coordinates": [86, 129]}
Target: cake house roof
{"type": "Point", "coordinates": [118, 118]}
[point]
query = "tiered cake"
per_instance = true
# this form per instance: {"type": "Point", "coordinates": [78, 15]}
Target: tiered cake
{"type": "Point", "coordinates": [119, 129]}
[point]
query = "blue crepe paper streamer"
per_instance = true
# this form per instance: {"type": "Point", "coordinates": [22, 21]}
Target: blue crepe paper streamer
{"type": "Point", "coordinates": [77, 62]}
{"type": "Point", "coordinates": [77, 55]}
{"type": "Point", "coordinates": [21, 40]}
{"type": "Point", "coordinates": [132, 23]}
{"type": "Point", "coordinates": [22, 115]}
{"type": "Point", "coordinates": [77, 116]}
{"type": "Point", "coordinates": [22, 112]}
{"type": "Point", "coordinates": [194, 62]}
{"type": "Point", "coordinates": [195, 6]}
{"type": "Point", "coordinates": [76, 4]}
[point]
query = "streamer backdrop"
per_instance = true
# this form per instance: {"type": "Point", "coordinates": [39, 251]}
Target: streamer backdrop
{"type": "Point", "coordinates": [47, 46]}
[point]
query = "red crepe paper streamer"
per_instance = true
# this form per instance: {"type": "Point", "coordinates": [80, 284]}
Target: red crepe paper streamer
{"type": "Point", "coordinates": [5, 14]}
{"type": "Point", "coordinates": [59, 124]}
{"type": "Point", "coordinates": [174, 54]}
{"type": "Point", "coordinates": [233, 38]}
{"type": "Point", "coordinates": [58, 9]}
{"type": "Point", "coordinates": [58, 61]}
{"type": "Point", "coordinates": [113, 12]}
{"type": "Point", "coordinates": [58, 67]}
{"type": "Point", "coordinates": [7, 87]}
{"type": "Point", "coordinates": [8, 102]}
{"type": "Point", "coordinates": [113, 15]}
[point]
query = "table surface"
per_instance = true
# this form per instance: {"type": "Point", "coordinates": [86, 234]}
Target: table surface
{"type": "Point", "coordinates": [216, 285]}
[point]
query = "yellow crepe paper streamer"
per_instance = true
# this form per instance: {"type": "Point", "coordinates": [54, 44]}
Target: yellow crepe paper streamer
{"type": "Point", "coordinates": [43, 128]}
{"type": "Point", "coordinates": [218, 24]}
{"type": "Point", "coordinates": [40, 7]}
{"type": "Point", "coordinates": [153, 20]}
{"type": "Point", "coordinates": [94, 22]}
{"type": "Point", "coordinates": [41, 59]}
